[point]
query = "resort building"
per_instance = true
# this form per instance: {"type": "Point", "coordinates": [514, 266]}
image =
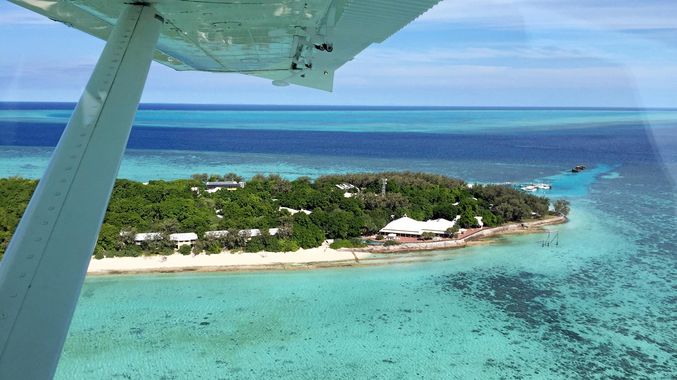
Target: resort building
{"type": "Point", "coordinates": [345, 186]}
{"type": "Point", "coordinates": [249, 233]}
{"type": "Point", "coordinates": [349, 189]}
{"type": "Point", "coordinates": [256, 232]}
{"type": "Point", "coordinates": [216, 234]}
{"type": "Point", "coordinates": [438, 226]}
{"type": "Point", "coordinates": [187, 238]}
{"type": "Point", "coordinates": [146, 236]}
{"type": "Point", "coordinates": [406, 226]}
{"type": "Point", "coordinates": [213, 187]}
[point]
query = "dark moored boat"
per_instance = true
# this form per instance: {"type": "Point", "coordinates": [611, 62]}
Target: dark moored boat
{"type": "Point", "coordinates": [578, 168]}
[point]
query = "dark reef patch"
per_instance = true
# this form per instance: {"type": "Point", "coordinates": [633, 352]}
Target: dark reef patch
{"type": "Point", "coordinates": [542, 308]}
{"type": "Point", "coordinates": [517, 295]}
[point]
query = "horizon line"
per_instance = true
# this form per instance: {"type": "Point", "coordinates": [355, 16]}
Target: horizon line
{"type": "Point", "coordinates": [144, 105]}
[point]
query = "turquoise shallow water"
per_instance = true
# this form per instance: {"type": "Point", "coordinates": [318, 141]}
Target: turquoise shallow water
{"type": "Point", "coordinates": [601, 304]}
{"type": "Point", "coordinates": [513, 309]}
{"type": "Point", "coordinates": [144, 165]}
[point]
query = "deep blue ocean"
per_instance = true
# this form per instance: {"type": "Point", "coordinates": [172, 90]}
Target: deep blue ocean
{"type": "Point", "coordinates": [602, 304]}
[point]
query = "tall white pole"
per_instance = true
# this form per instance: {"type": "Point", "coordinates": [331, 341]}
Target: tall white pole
{"type": "Point", "coordinates": [45, 264]}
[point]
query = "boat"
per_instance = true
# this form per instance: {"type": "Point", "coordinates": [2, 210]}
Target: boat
{"type": "Point", "coordinates": [578, 168]}
{"type": "Point", "coordinates": [535, 187]}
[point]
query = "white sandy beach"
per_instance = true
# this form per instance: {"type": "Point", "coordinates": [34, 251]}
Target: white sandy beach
{"type": "Point", "coordinates": [223, 261]}
{"type": "Point", "coordinates": [321, 256]}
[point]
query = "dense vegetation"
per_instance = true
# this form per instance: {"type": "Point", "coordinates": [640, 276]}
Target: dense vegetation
{"type": "Point", "coordinates": [14, 196]}
{"type": "Point", "coordinates": [171, 206]}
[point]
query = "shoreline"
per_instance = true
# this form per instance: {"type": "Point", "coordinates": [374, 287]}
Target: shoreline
{"type": "Point", "coordinates": [473, 239]}
{"type": "Point", "coordinates": [225, 261]}
{"type": "Point", "coordinates": [303, 259]}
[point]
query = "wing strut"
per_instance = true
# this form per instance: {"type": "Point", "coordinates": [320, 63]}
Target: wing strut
{"type": "Point", "coordinates": [45, 264]}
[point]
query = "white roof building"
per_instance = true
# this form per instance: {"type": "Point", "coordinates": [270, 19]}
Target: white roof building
{"type": "Point", "coordinates": [226, 184]}
{"type": "Point", "coordinates": [437, 226]}
{"type": "Point", "coordinates": [249, 233]}
{"type": "Point", "coordinates": [216, 234]}
{"type": "Point", "coordinates": [215, 186]}
{"type": "Point", "coordinates": [345, 186]}
{"type": "Point", "coordinates": [147, 236]}
{"type": "Point", "coordinates": [183, 237]}
{"type": "Point", "coordinates": [409, 226]}
{"type": "Point", "coordinates": [348, 188]}
{"type": "Point", "coordinates": [403, 226]}
{"type": "Point", "coordinates": [256, 232]}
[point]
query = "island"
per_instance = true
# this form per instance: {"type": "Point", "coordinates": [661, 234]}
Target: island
{"type": "Point", "coordinates": [212, 222]}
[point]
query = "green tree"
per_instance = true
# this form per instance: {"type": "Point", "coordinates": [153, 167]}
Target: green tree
{"type": "Point", "coordinates": [305, 232]}
{"type": "Point", "coordinates": [186, 249]}
{"type": "Point", "coordinates": [159, 244]}
{"type": "Point", "coordinates": [468, 219]}
{"type": "Point", "coordinates": [255, 244]}
{"type": "Point", "coordinates": [562, 207]}
{"type": "Point", "coordinates": [167, 226]}
{"type": "Point", "coordinates": [234, 239]}
{"type": "Point", "coordinates": [446, 210]}
{"type": "Point", "coordinates": [489, 219]}
{"type": "Point", "coordinates": [109, 239]}
{"type": "Point", "coordinates": [287, 245]}
{"type": "Point", "coordinates": [202, 177]}
{"type": "Point", "coordinates": [453, 230]}
{"type": "Point", "coordinates": [98, 253]}
{"type": "Point", "coordinates": [512, 209]}
{"type": "Point", "coordinates": [171, 206]}
{"type": "Point", "coordinates": [233, 177]}
{"type": "Point", "coordinates": [213, 248]}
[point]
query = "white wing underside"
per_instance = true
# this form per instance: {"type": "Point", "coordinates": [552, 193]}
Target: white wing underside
{"type": "Point", "coordinates": [281, 40]}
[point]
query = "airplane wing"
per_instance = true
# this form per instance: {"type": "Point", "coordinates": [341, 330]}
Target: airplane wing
{"type": "Point", "coordinates": [287, 41]}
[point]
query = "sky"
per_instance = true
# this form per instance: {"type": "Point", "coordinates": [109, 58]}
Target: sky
{"type": "Point", "coordinates": [572, 53]}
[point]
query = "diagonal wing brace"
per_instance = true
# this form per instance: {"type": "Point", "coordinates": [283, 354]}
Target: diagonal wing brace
{"type": "Point", "coordinates": [45, 264]}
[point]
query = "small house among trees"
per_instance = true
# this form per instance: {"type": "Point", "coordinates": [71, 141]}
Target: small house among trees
{"type": "Point", "coordinates": [187, 238]}
{"type": "Point", "coordinates": [215, 186]}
